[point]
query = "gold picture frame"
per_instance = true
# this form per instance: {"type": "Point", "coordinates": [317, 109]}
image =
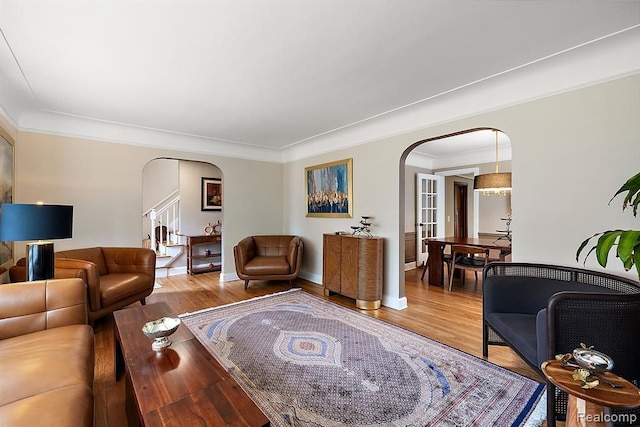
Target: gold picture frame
{"type": "Point", "coordinates": [329, 189]}
{"type": "Point", "coordinates": [7, 180]}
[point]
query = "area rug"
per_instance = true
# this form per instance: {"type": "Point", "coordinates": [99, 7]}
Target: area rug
{"type": "Point", "coordinates": [306, 361]}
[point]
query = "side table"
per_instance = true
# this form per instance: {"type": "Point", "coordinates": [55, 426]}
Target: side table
{"type": "Point", "coordinates": [591, 407]}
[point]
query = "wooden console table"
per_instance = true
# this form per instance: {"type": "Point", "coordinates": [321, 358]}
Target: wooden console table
{"type": "Point", "coordinates": [352, 266]}
{"type": "Point", "coordinates": [213, 258]}
{"type": "Point", "coordinates": [588, 407]}
{"type": "Point", "coordinates": [182, 385]}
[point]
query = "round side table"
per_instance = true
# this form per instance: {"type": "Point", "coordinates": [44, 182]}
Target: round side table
{"type": "Point", "coordinates": [591, 407]}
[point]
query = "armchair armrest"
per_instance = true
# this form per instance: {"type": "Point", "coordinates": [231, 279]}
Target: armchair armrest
{"type": "Point", "coordinates": [18, 272]}
{"type": "Point", "coordinates": [294, 255]}
{"type": "Point", "coordinates": [86, 270]}
{"type": "Point", "coordinates": [67, 268]}
{"type": "Point", "coordinates": [244, 252]}
{"type": "Point", "coordinates": [40, 305]}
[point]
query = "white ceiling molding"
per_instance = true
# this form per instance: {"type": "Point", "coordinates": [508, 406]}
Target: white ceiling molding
{"type": "Point", "coordinates": [477, 157]}
{"type": "Point", "coordinates": [419, 160]}
{"type": "Point", "coordinates": [76, 127]}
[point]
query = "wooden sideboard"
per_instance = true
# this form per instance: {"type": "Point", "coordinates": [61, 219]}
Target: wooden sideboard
{"type": "Point", "coordinates": [196, 254]}
{"type": "Point", "coordinates": [352, 266]}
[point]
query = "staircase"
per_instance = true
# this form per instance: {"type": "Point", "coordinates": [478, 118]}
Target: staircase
{"type": "Point", "coordinates": [164, 234]}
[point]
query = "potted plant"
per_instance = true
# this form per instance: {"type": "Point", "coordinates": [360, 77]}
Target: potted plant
{"type": "Point", "coordinates": [627, 241]}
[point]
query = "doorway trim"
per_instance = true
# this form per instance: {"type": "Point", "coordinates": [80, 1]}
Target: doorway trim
{"type": "Point", "coordinates": [476, 197]}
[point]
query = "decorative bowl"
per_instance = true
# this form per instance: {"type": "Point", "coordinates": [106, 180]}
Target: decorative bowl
{"type": "Point", "coordinates": [592, 360]}
{"type": "Point", "coordinates": [160, 330]}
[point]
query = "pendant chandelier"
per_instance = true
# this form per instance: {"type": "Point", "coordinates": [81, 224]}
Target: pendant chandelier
{"type": "Point", "coordinates": [493, 183]}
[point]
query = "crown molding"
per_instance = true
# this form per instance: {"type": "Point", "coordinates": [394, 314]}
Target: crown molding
{"type": "Point", "coordinates": [606, 59]}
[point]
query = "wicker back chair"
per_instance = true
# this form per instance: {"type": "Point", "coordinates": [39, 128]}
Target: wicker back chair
{"type": "Point", "coordinates": [609, 319]}
{"type": "Point", "coordinates": [608, 322]}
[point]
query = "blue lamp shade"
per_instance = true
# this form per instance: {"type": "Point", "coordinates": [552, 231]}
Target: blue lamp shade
{"type": "Point", "coordinates": [35, 222]}
{"type": "Point", "coordinates": [20, 222]}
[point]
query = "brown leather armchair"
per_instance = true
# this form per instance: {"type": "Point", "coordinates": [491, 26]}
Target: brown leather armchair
{"type": "Point", "coordinates": [115, 277]}
{"type": "Point", "coordinates": [273, 257]}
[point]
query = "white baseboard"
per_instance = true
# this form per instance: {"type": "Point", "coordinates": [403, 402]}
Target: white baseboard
{"type": "Point", "coordinates": [315, 278]}
{"type": "Point", "coordinates": [395, 303]}
{"type": "Point", "coordinates": [170, 271]}
{"type": "Point", "coordinates": [410, 266]}
{"type": "Point", "coordinates": [228, 277]}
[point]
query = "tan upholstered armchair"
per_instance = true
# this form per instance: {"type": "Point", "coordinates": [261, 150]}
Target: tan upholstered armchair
{"type": "Point", "coordinates": [268, 258]}
{"type": "Point", "coordinates": [115, 277]}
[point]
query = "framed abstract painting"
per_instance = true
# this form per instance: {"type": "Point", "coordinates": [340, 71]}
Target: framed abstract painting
{"type": "Point", "coordinates": [329, 189]}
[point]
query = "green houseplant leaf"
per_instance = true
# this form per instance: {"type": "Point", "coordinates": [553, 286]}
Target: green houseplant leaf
{"type": "Point", "coordinates": [633, 198]}
{"type": "Point", "coordinates": [627, 241]}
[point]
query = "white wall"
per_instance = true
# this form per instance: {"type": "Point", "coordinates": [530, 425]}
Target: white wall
{"type": "Point", "coordinates": [492, 209]}
{"type": "Point", "coordinates": [571, 152]}
{"type": "Point", "coordinates": [193, 218]}
{"type": "Point", "coordinates": [159, 179]}
{"type": "Point", "coordinates": [103, 181]}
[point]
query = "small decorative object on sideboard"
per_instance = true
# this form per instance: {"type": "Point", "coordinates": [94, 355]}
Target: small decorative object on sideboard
{"type": "Point", "coordinates": [211, 229]}
{"type": "Point", "coordinates": [160, 330]}
{"type": "Point", "coordinates": [208, 229]}
{"type": "Point", "coordinates": [364, 228]}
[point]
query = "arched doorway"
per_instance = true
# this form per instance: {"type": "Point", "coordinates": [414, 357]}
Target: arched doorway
{"type": "Point", "coordinates": [174, 189]}
{"type": "Point", "coordinates": [457, 158]}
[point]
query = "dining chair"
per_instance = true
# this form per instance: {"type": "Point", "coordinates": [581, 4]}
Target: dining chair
{"type": "Point", "coordinates": [446, 258]}
{"type": "Point", "coordinates": [467, 258]}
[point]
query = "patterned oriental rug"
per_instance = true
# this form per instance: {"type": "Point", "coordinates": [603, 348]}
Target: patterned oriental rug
{"type": "Point", "coordinates": [306, 361]}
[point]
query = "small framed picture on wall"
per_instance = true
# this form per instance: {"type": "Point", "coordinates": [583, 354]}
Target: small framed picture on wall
{"type": "Point", "coordinates": [211, 194]}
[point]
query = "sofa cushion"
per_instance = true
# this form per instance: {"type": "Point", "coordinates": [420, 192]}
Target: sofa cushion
{"type": "Point", "coordinates": [69, 406]}
{"type": "Point", "coordinates": [519, 330]}
{"type": "Point", "coordinates": [266, 265]}
{"type": "Point", "coordinates": [45, 361]}
{"type": "Point", "coordinates": [117, 287]}
{"type": "Point", "coordinates": [514, 294]}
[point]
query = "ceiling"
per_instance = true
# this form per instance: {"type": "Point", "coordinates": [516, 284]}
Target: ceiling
{"type": "Point", "coordinates": [271, 74]}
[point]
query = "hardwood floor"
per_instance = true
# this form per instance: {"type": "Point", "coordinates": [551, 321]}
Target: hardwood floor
{"type": "Point", "coordinates": [453, 318]}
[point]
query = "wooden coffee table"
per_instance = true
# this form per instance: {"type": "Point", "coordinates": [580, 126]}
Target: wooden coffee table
{"type": "Point", "coordinates": [182, 385]}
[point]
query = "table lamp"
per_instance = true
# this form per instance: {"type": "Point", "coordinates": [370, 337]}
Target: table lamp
{"type": "Point", "coordinates": [20, 222]}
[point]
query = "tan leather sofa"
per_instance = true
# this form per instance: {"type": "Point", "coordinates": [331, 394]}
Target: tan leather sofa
{"type": "Point", "coordinates": [115, 277]}
{"type": "Point", "coordinates": [46, 354]}
{"type": "Point", "coordinates": [272, 257]}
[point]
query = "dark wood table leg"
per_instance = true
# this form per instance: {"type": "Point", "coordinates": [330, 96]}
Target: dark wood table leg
{"type": "Point", "coordinates": [118, 358]}
{"type": "Point", "coordinates": [436, 268]}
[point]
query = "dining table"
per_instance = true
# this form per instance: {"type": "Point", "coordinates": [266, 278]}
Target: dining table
{"type": "Point", "coordinates": [436, 246]}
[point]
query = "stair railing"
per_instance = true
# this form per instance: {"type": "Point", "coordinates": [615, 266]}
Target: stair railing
{"type": "Point", "coordinates": [166, 212]}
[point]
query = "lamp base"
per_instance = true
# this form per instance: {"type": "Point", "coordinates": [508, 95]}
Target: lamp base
{"type": "Point", "coordinates": [40, 258]}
